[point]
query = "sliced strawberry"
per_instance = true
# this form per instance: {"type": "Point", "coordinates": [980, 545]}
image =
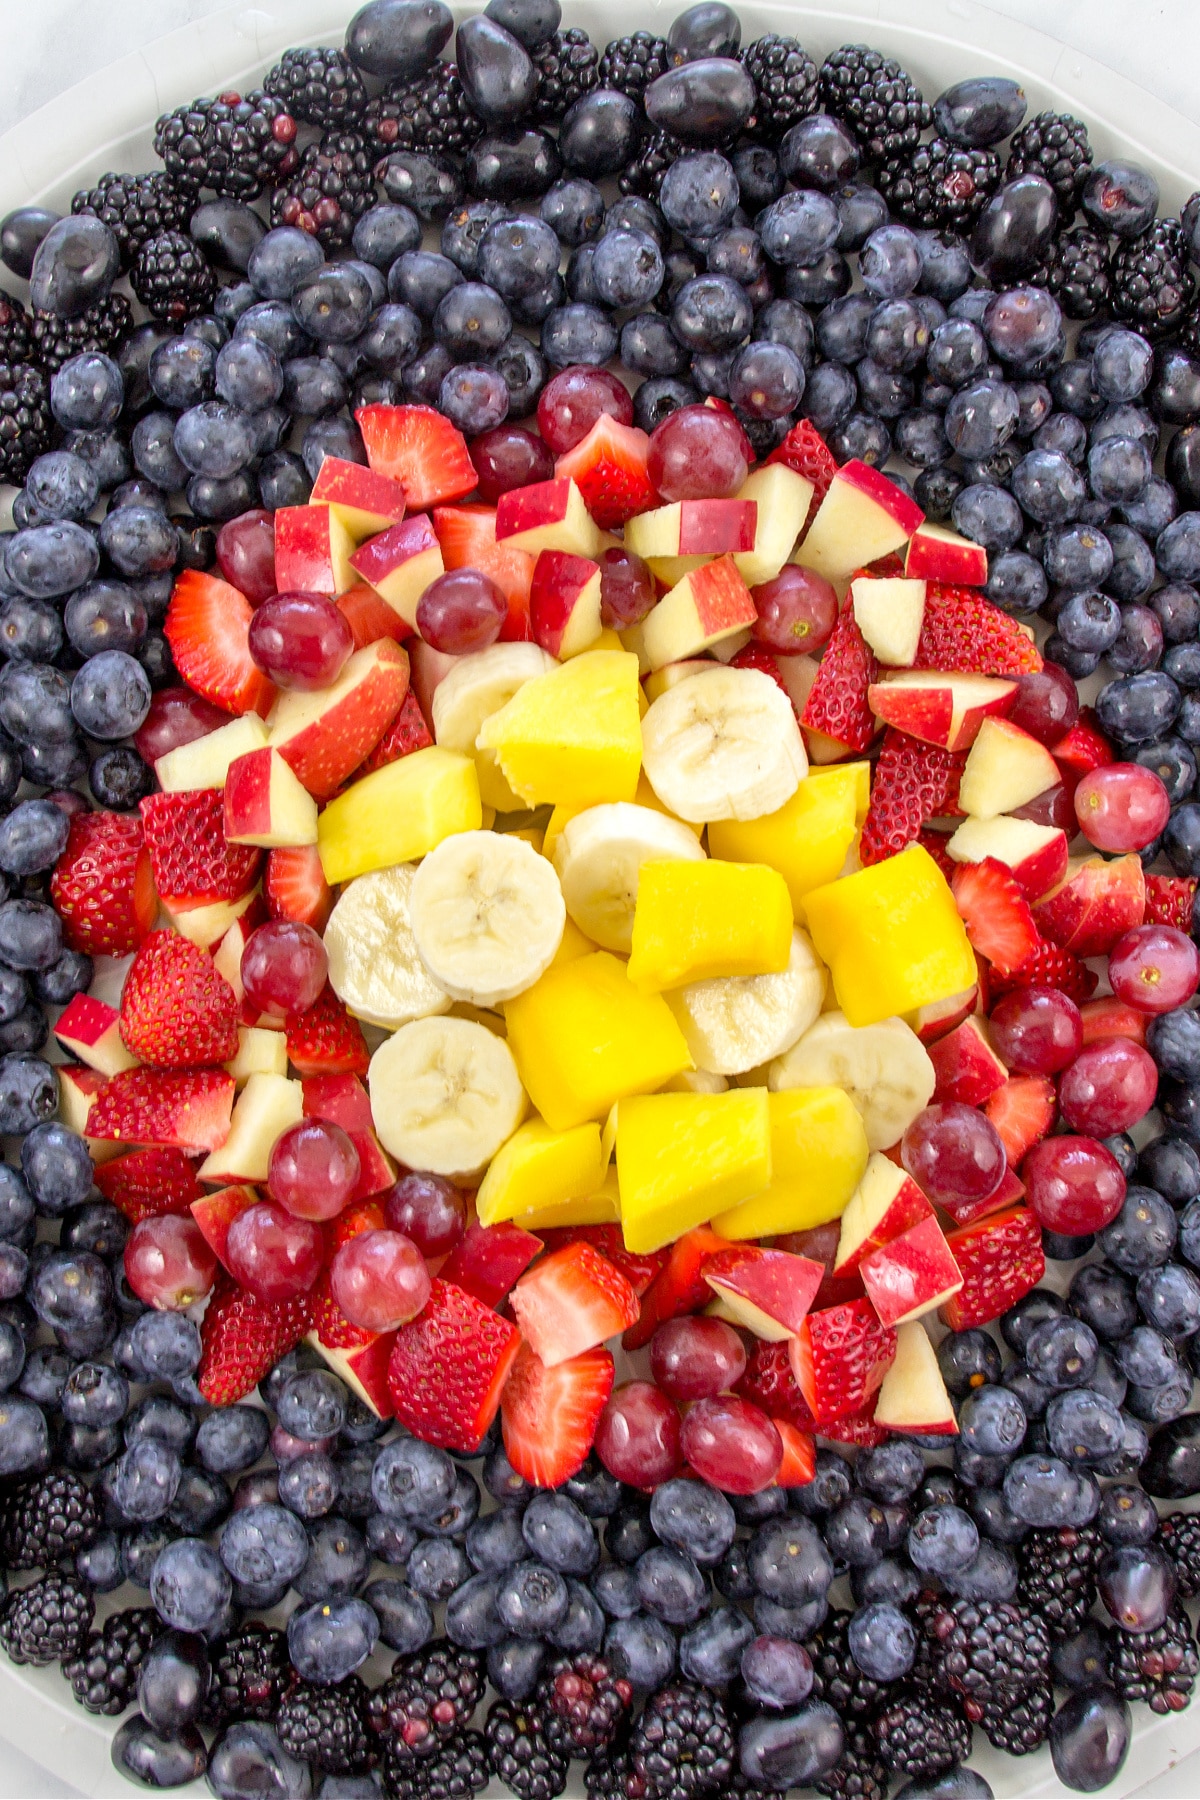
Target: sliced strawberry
{"type": "Point", "coordinates": [353, 1220]}
{"type": "Point", "coordinates": [571, 1301]}
{"type": "Point", "coordinates": [406, 733]}
{"type": "Point", "coordinates": [1001, 1260]}
{"type": "Point", "coordinates": [681, 1288]}
{"type": "Point", "coordinates": [177, 1012]}
{"type": "Point", "coordinates": [215, 1213]}
{"type": "Point", "coordinates": [549, 1416]}
{"type": "Point", "coordinates": [295, 886]}
{"type": "Point", "coordinates": [154, 1106]}
{"type": "Point", "coordinates": [467, 535]}
{"type": "Point", "coordinates": [858, 1428]}
{"type": "Point", "coordinates": [757, 656]}
{"type": "Point", "coordinates": [805, 452]}
{"type": "Point", "coordinates": [837, 700]}
{"type": "Point", "coordinates": [192, 863]}
{"type": "Point", "coordinates": [912, 783]}
{"type": "Point", "coordinates": [147, 1183]}
{"type": "Point", "coordinates": [799, 1463]}
{"type": "Point", "coordinates": [639, 1271]}
{"type": "Point", "coordinates": [330, 1323]}
{"type": "Point", "coordinates": [1008, 1191]}
{"type": "Point", "coordinates": [1171, 900]}
{"type": "Point", "coordinates": [369, 617]}
{"type": "Point", "coordinates": [1047, 966]}
{"type": "Point", "coordinates": [1110, 1017]}
{"type": "Point", "coordinates": [965, 634]}
{"type": "Point", "coordinates": [1022, 1111]}
{"type": "Point", "coordinates": [935, 843]}
{"type": "Point", "coordinates": [1085, 746]}
{"type": "Point", "coordinates": [207, 627]}
{"type": "Point", "coordinates": [448, 1369]}
{"type": "Point", "coordinates": [998, 917]}
{"type": "Point", "coordinates": [241, 1338]}
{"type": "Point", "coordinates": [839, 1357]}
{"type": "Point", "coordinates": [489, 1259]}
{"type": "Point", "coordinates": [342, 1099]}
{"type": "Point", "coordinates": [419, 448]}
{"type": "Point", "coordinates": [325, 1040]}
{"type": "Point", "coordinates": [102, 886]}
{"type": "Point", "coordinates": [608, 467]}
{"type": "Point", "coordinates": [768, 1381]}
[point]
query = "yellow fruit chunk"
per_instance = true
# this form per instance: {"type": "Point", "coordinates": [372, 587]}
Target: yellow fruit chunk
{"type": "Point", "coordinates": [583, 1037]}
{"type": "Point", "coordinates": [683, 1157]}
{"type": "Point", "coordinates": [858, 774]}
{"type": "Point", "coordinates": [540, 1168]}
{"type": "Point", "coordinates": [572, 737]}
{"type": "Point", "coordinates": [818, 1153]}
{"type": "Point", "coordinates": [572, 945]}
{"type": "Point", "coordinates": [402, 811]}
{"type": "Point", "coordinates": [892, 937]}
{"type": "Point", "coordinates": [806, 840]}
{"type": "Point", "coordinates": [601, 1208]}
{"type": "Point", "coordinates": [697, 920]}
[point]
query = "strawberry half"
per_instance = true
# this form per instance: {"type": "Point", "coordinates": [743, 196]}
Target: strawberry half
{"type": "Point", "coordinates": [639, 1271]}
{"type": "Point", "coordinates": [191, 861]}
{"type": "Point", "coordinates": [419, 448]}
{"type": "Point", "coordinates": [102, 886]}
{"type": "Point", "coordinates": [806, 453]}
{"type": "Point", "coordinates": [680, 1288]}
{"type": "Point", "coordinates": [406, 733]}
{"type": "Point", "coordinates": [369, 617]}
{"type": "Point", "coordinates": [1023, 1111]}
{"type": "Point", "coordinates": [859, 1429]}
{"type": "Point", "coordinates": [295, 886]}
{"type": "Point", "coordinates": [448, 1369]}
{"type": "Point", "coordinates": [154, 1106]}
{"type": "Point", "coordinates": [1047, 966]}
{"type": "Point", "coordinates": [768, 1381]}
{"type": "Point", "coordinates": [1001, 1260]}
{"type": "Point", "coordinates": [572, 1301]}
{"type": "Point", "coordinates": [177, 1012]}
{"type": "Point", "coordinates": [325, 1040]}
{"type": "Point", "coordinates": [998, 917]}
{"type": "Point", "coordinates": [147, 1183]}
{"type": "Point", "coordinates": [1111, 1017]}
{"type": "Point", "coordinates": [839, 1357]}
{"type": "Point", "coordinates": [207, 627]}
{"type": "Point", "coordinates": [241, 1338]}
{"type": "Point", "coordinates": [965, 634]}
{"type": "Point", "coordinates": [467, 535]}
{"type": "Point", "coordinates": [1171, 900]}
{"type": "Point", "coordinates": [799, 1463]}
{"type": "Point", "coordinates": [608, 467]}
{"type": "Point", "coordinates": [935, 843]}
{"type": "Point", "coordinates": [913, 783]}
{"type": "Point", "coordinates": [549, 1416]}
{"type": "Point", "coordinates": [837, 700]}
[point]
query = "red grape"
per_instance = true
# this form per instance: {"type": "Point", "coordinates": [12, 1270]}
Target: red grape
{"type": "Point", "coordinates": [1109, 1087]}
{"type": "Point", "coordinates": [300, 640]}
{"type": "Point", "coordinates": [460, 612]}
{"type": "Point", "coordinates": [176, 716]}
{"type": "Point", "coordinates": [272, 1253]}
{"type": "Point", "coordinates": [67, 801]}
{"type": "Point", "coordinates": [574, 399]}
{"type": "Point", "coordinates": [509, 456]}
{"type": "Point", "coordinates": [284, 966]}
{"type": "Point", "coordinates": [693, 1358]}
{"type": "Point", "coordinates": [285, 1448]}
{"type": "Point", "coordinates": [1154, 967]}
{"type": "Point", "coordinates": [1121, 806]}
{"type": "Point", "coordinates": [637, 1437]}
{"type": "Point", "coordinates": [697, 453]}
{"type": "Point", "coordinates": [168, 1262]}
{"type": "Point", "coordinates": [626, 589]}
{"type": "Point", "coordinates": [1054, 806]}
{"type": "Point", "coordinates": [1036, 1030]}
{"type": "Point", "coordinates": [379, 1280]}
{"type": "Point", "coordinates": [313, 1169]}
{"type": "Point", "coordinates": [1046, 704]}
{"type": "Point", "coordinates": [953, 1152]}
{"type": "Point", "coordinates": [1073, 1184]}
{"type": "Point", "coordinates": [246, 554]}
{"type": "Point", "coordinates": [731, 1443]}
{"type": "Point", "coordinates": [797, 610]}
{"type": "Point", "coordinates": [428, 1209]}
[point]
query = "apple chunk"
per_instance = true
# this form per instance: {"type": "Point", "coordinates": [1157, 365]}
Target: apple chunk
{"type": "Point", "coordinates": [1094, 905]}
{"type": "Point", "coordinates": [564, 603]}
{"type": "Point", "coordinates": [264, 1109]}
{"type": "Point", "coordinates": [363, 500]}
{"type": "Point", "coordinates": [913, 1396]}
{"type": "Point", "coordinates": [91, 1031]}
{"type": "Point", "coordinates": [547, 515]}
{"type": "Point", "coordinates": [861, 518]}
{"type": "Point", "coordinates": [940, 1016]}
{"type": "Point", "coordinates": [324, 735]}
{"type": "Point", "coordinates": [204, 763]}
{"type": "Point", "coordinates": [312, 551]}
{"type": "Point", "coordinates": [938, 554]}
{"type": "Point", "coordinates": [1005, 769]}
{"type": "Point", "coordinates": [912, 1274]}
{"type": "Point", "coordinates": [708, 605]}
{"type": "Point", "coordinates": [889, 611]}
{"type": "Point", "coordinates": [1036, 854]}
{"type": "Point", "coordinates": [967, 1068]}
{"type": "Point", "coordinates": [693, 528]}
{"type": "Point", "coordinates": [783, 500]}
{"type": "Point", "coordinates": [938, 708]}
{"type": "Point", "coordinates": [885, 1203]}
{"type": "Point", "coordinates": [265, 803]}
{"type": "Point", "coordinates": [363, 1367]}
{"type": "Point", "coordinates": [400, 564]}
{"type": "Point", "coordinates": [767, 1291]}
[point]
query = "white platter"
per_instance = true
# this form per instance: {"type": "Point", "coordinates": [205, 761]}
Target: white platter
{"type": "Point", "coordinates": [106, 122]}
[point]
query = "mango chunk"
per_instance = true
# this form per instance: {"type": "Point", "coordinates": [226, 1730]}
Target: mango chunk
{"type": "Point", "coordinates": [539, 1168]}
{"type": "Point", "coordinates": [600, 1208]}
{"type": "Point", "coordinates": [583, 1037]}
{"type": "Point", "coordinates": [402, 811]}
{"type": "Point", "coordinates": [695, 921]}
{"type": "Point", "coordinates": [818, 1154]}
{"type": "Point", "coordinates": [573, 736]}
{"type": "Point", "coordinates": [805, 841]}
{"type": "Point", "coordinates": [683, 1157]}
{"type": "Point", "coordinates": [892, 937]}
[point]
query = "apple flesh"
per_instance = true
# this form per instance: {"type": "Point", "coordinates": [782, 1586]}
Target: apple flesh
{"type": "Point", "coordinates": [363, 1367]}
{"type": "Point", "coordinates": [913, 1395]}
{"type": "Point", "coordinates": [885, 1203]}
{"type": "Point", "coordinates": [312, 551]}
{"type": "Point", "coordinates": [709, 604]}
{"type": "Point", "coordinates": [91, 1031]}
{"type": "Point", "coordinates": [966, 1066]}
{"type": "Point", "coordinates": [1036, 854]}
{"type": "Point", "coordinates": [265, 803]}
{"type": "Point", "coordinates": [767, 1291]}
{"type": "Point", "coordinates": [260, 1052]}
{"type": "Point", "coordinates": [547, 515]}
{"type": "Point", "coordinates": [264, 1109]}
{"type": "Point", "coordinates": [889, 611]}
{"type": "Point", "coordinates": [783, 499]}
{"type": "Point", "coordinates": [939, 709]}
{"type": "Point", "coordinates": [227, 957]}
{"type": "Point", "coordinates": [1005, 768]}
{"type": "Point", "coordinates": [324, 735]}
{"type": "Point", "coordinates": [363, 500]}
{"type": "Point", "coordinates": [400, 564]}
{"type": "Point", "coordinates": [206, 925]}
{"type": "Point", "coordinates": [693, 528]}
{"type": "Point", "coordinates": [1094, 904]}
{"type": "Point", "coordinates": [939, 554]}
{"type": "Point", "coordinates": [204, 763]}
{"type": "Point", "coordinates": [862, 517]}
{"type": "Point", "coordinates": [913, 1274]}
{"type": "Point", "coordinates": [564, 603]}
{"type": "Point", "coordinates": [77, 1092]}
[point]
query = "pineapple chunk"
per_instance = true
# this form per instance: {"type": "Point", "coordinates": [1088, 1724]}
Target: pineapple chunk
{"type": "Point", "coordinates": [806, 840]}
{"type": "Point", "coordinates": [601, 1208]}
{"type": "Point", "coordinates": [571, 737]}
{"type": "Point", "coordinates": [402, 811]}
{"type": "Point", "coordinates": [818, 1153]}
{"type": "Point", "coordinates": [538, 1169]}
{"type": "Point", "coordinates": [683, 1157]}
{"type": "Point", "coordinates": [694, 921]}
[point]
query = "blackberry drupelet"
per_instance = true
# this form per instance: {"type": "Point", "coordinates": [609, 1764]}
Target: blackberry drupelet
{"type": "Point", "coordinates": [837, 1678]}
{"type": "Point", "coordinates": [172, 278]}
{"type": "Point", "coordinates": [568, 68]}
{"type": "Point", "coordinates": [860, 1772]}
{"type": "Point", "coordinates": [609, 1778]}
{"type": "Point", "coordinates": [48, 1621]}
{"type": "Point", "coordinates": [1160, 1666]}
{"type": "Point", "coordinates": [1056, 147]}
{"type": "Point", "coordinates": [1058, 1575]}
{"type": "Point", "coordinates": [430, 113]}
{"type": "Point", "coordinates": [876, 98]}
{"type": "Point", "coordinates": [251, 1673]}
{"type": "Point", "coordinates": [683, 1744]}
{"type": "Point", "coordinates": [919, 1736]}
{"type": "Point", "coordinates": [455, 1771]}
{"type": "Point", "coordinates": [50, 1516]}
{"type": "Point", "coordinates": [102, 327]}
{"type": "Point", "coordinates": [940, 186]}
{"type": "Point", "coordinates": [104, 1674]}
{"type": "Point", "coordinates": [16, 344]}
{"type": "Point", "coordinates": [234, 145]}
{"type": "Point", "coordinates": [1179, 1536]}
{"type": "Point", "coordinates": [322, 87]}
{"type": "Point", "coordinates": [521, 1755]}
{"type": "Point", "coordinates": [428, 1696]}
{"type": "Point", "coordinates": [1076, 273]}
{"type": "Point", "coordinates": [135, 208]}
{"type": "Point", "coordinates": [584, 1703]}
{"type": "Point", "coordinates": [1152, 286]}
{"type": "Point", "coordinates": [325, 1726]}
{"type": "Point", "coordinates": [334, 186]}
{"type": "Point", "coordinates": [785, 76]}
{"type": "Point", "coordinates": [631, 63]}
{"type": "Point", "coordinates": [26, 426]}
{"type": "Point", "coordinates": [644, 173]}
{"type": "Point", "coordinates": [990, 1650]}
{"type": "Point", "coordinates": [1019, 1726]}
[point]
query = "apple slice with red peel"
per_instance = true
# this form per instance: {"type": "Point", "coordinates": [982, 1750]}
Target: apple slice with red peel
{"type": "Point", "coordinates": [215, 1213]}
{"type": "Point", "coordinates": [547, 515]}
{"type": "Point", "coordinates": [693, 528]}
{"type": "Point", "coordinates": [885, 1203]}
{"type": "Point", "coordinates": [1005, 768]}
{"type": "Point", "coordinates": [1108, 1017]}
{"type": "Point", "coordinates": [937, 708]}
{"type": "Point", "coordinates": [259, 1052]}
{"type": "Point", "coordinates": [361, 499]}
{"type": "Point", "coordinates": [913, 1395]}
{"type": "Point", "coordinates": [429, 669]}
{"type": "Point", "coordinates": [489, 1260]}
{"type": "Point", "coordinates": [938, 554]}
{"type": "Point", "coordinates": [862, 517]}
{"type": "Point", "coordinates": [1094, 904]}
{"type": "Point", "coordinates": [339, 1099]}
{"type": "Point", "coordinates": [77, 1091]}
{"type": "Point", "coordinates": [966, 1066]}
{"type": "Point", "coordinates": [265, 803]}
{"type": "Point", "coordinates": [708, 605]}
{"type": "Point", "coordinates": [940, 1016]}
{"type": "Point", "coordinates": [783, 499]}
{"type": "Point", "coordinates": [564, 603]}
{"type": "Point", "coordinates": [204, 762]}
{"type": "Point", "coordinates": [227, 957]}
{"type": "Point", "coordinates": [767, 1291]}
{"type": "Point", "coordinates": [312, 551]}
{"type": "Point", "coordinates": [399, 564]}
{"type": "Point", "coordinates": [324, 735]}
{"type": "Point", "coordinates": [90, 1030]}
{"type": "Point", "coordinates": [363, 1367]}
{"type": "Point", "coordinates": [913, 1274]}
{"type": "Point", "coordinates": [1036, 854]}
{"type": "Point", "coordinates": [264, 1109]}
{"type": "Point", "coordinates": [889, 611]}
{"type": "Point", "coordinates": [208, 923]}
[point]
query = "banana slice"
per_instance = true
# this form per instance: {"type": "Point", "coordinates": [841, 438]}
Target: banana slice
{"type": "Point", "coordinates": [476, 687]}
{"type": "Point", "coordinates": [734, 1023]}
{"type": "Point", "coordinates": [445, 1094]}
{"type": "Point", "coordinates": [374, 964]}
{"type": "Point", "coordinates": [487, 915]}
{"type": "Point", "coordinates": [723, 745]}
{"type": "Point", "coordinates": [884, 1068]}
{"type": "Point", "coordinates": [598, 855]}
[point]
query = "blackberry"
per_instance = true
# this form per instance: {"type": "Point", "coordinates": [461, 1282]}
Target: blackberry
{"type": "Point", "coordinates": [234, 145]}
{"type": "Point", "coordinates": [585, 1704]}
{"type": "Point", "coordinates": [521, 1755]}
{"type": "Point", "coordinates": [102, 327]}
{"type": "Point", "coordinates": [322, 87]}
{"type": "Point", "coordinates": [610, 1778]}
{"type": "Point", "coordinates": [455, 1771]}
{"type": "Point", "coordinates": [785, 76]}
{"type": "Point", "coordinates": [25, 422]}
{"type": "Point", "coordinates": [876, 98]}
{"type": "Point", "coordinates": [430, 113]}
{"type": "Point", "coordinates": [428, 1696]}
{"type": "Point", "coordinates": [172, 278]}
{"type": "Point", "coordinates": [1152, 286]}
{"type": "Point", "coordinates": [135, 208]}
{"type": "Point", "coordinates": [1021, 1726]}
{"type": "Point", "coordinates": [644, 174]}
{"type": "Point", "coordinates": [990, 1650]}
{"type": "Point", "coordinates": [860, 1772]}
{"type": "Point", "coordinates": [1054, 146]}
{"type": "Point", "coordinates": [1160, 1666]}
{"type": "Point", "coordinates": [325, 1726]}
{"type": "Point", "coordinates": [50, 1516]}
{"type": "Point", "coordinates": [1076, 273]}
{"type": "Point", "coordinates": [104, 1674]}
{"type": "Point", "coordinates": [1058, 1575]}
{"type": "Point", "coordinates": [48, 1621]}
{"type": "Point", "coordinates": [921, 1737]}
{"type": "Point", "coordinates": [940, 186]}
{"type": "Point", "coordinates": [16, 344]}
{"type": "Point", "coordinates": [334, 186]}
{"type": "Point", "coordinates": [630, 64]}
{"type": "Point", "coordinates": [568, 68]}
{"type": "Point", "coordinates": [251, 1674]}
{"type": "Point", "coordinates": [683, 1744]}
{"type": "Point", "coordinates": [837, 1678]}
{"type": "Point", "coordinates": [1179, 1536]}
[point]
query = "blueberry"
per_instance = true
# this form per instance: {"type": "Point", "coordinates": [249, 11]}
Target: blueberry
{"type": "Point", "coordinates": [1044, 1490]}
{"type": "Point", "coordinates": [145, 1481]}
{"type": "Point", "coordinates": [581, 1629]}
{"type": "Point", "coordinates": [45, 1374]}
{"type": "Point", "coordinates": [312, 1404]}
{"type": "Point", "coordinates": [515, 1666]}
{"type": "Point", "coordinates": [968, 1360]}
{"type": "Point", "coordinates": [992, 1420]}
{"type": "Point", "coordinates": [190, 1586]}
{"type": "Point", "coordinates": [856, 1533]}
{"type": "Point", "coordinates": [390, 1540]}
{"type": "Point", "coordinates": [711, 312]}
{"type": "Point", "coordinates": [981, 418]}
{"type": "Point", "coordinates": [12, 1350]}
{"type": "Point", "coordinates": [574, 210]}
{"type": "Point", "coordinates": [670, 1585]}
{"type": "Point", "coordinates": [695, 1518]}
{"type": "Point", "coordinates": [436, 1567]}
{"type": "Point", "coordinates": [94, 1395]}
{"type": "Point", "coordinates": [943, 1539]}
{"type": "Point", "coordinates": [202, 1502]}
{"type": "Point", "coordinates": [264, 1543]}
{"type": "Point", "coordinates": [337, 1560]}
{"type": "Point", "coordinates": [110, 696]}
{"type": "Point", "coordinates": [472, 1615]}
{"type": "Point", "coordinates": [474, 398]}
{"type": "Point", "coordinates": [308, 1485]}
{"type": "Point", "coordinates": [641, 1650]}
{"type": "Point", "coordinates": [711, 1652]}
{"type": "Point", "coordinates": [1083, 1427]}
{"type": "Point", "coordinates": [793, 1751]}
{"type": "Point", "coordinates": [778, 1674]}
{"type": "Point", "coordinates": [232, 1438]}
{"type": "Point", "coordinates": [169, 1759]}
{"type": "Point", "coordinates": [627, 269]}
{"type": "Point", "coordinates": [583, 334]}
{"type": "Point", "coordinates": [1108, 1380]}
{"type": "Point", "coordinates": [99, 1563]}
{"type": "Point", "coordinates": [405, 1621]}
{"type": "Point", "coordinates": [1062, 1352]}
{"type": "Point", "coordinates": [1143, 1233]}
